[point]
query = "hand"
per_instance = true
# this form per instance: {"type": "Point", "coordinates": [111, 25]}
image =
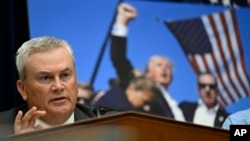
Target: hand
{"type": "Point", "coordinates": [26, 123]}
{"type": "Point", "coordinates": [125, 13]}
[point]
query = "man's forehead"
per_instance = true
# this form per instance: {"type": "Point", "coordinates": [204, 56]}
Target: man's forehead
{"type": "Point", "coordinates": [206, 77]}
{"type": "Point", "coordinates": [159, 60]}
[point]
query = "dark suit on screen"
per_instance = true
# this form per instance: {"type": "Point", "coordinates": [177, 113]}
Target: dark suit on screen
{"type": "Point", "coordinates": [116, 99]}
{"type": "Point", "coordinates": [189, 108]}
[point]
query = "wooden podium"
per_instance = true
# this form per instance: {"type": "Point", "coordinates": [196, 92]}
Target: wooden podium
{"type": "Point", "coordinates": [127, 126]}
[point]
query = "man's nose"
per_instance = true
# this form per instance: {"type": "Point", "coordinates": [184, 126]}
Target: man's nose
{"type": "Point", "coordinates": [57, 84]}
{"type": "Point", "coordinates": [207, 88]}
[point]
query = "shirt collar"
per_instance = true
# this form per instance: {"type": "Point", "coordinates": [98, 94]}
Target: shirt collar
{"type": "Point", "coordinates": [46, 125]}
{"type": "Point", "coordinates": [202, 104]}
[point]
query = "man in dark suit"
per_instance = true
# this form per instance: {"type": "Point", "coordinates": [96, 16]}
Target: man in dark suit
{"type": "Point", "coordinates": [159, 68]}
{"type": "Point", "coordinates": [139, 96]}
{"type": "Point", "coordinates": [48, 84]}
{"type": "Point", "coordinates": [207, 111]}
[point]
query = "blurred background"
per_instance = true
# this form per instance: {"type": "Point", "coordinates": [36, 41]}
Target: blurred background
{"type": "Point", "coordinates": [86, 26]}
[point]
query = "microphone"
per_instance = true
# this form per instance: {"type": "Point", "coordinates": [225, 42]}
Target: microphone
{"type": "Point", "coordinates": [101, 110]}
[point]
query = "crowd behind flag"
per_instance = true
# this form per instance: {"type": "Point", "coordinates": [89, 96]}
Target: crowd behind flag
{"type": "Point", "coordinates": [212, 43]}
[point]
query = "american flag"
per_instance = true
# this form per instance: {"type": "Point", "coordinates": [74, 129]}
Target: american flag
{"type": "Point", "coordinates": [212, 44]}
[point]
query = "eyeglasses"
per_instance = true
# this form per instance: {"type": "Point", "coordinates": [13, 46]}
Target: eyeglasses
{"type": "Point", "coordinates": [211, 86]}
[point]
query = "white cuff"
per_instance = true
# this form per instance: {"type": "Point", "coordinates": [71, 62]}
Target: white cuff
{"type": "Point", "coordinates": [119, 30]}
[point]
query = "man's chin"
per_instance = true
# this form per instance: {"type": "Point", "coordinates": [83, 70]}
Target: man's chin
{"type": "Point", "coordinates": [164, 82]}
{"type": "Point", "coordinates": [61, 111]}
{"type": "Point", "coordinates": [209, 102]}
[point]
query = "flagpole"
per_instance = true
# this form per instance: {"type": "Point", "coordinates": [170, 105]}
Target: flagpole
{"type": "Point", "coordinates": [104, 45]}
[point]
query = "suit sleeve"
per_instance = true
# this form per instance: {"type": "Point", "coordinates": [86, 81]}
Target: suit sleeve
{"type": "Point", "coordinates": [122, 65]}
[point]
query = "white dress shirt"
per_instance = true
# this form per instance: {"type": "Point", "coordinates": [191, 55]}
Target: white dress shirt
{"type": "Point", "coordinates": [205, 116]}
{"type": "Point", "coordinates": [178, 115]}
{"type": "Point", "coordinates": [46, 125]}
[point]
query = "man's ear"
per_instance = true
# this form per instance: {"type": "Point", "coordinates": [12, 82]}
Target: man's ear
{"type": "Point", "coordinates": [21, 89]}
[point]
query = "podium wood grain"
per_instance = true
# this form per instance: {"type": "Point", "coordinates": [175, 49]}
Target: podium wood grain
{"type": "Point", "coordinates": [127, 126]}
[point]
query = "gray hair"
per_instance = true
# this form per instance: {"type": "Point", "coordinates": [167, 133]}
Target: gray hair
{"type": "Point", "coordinates": [154, 57]}
{"type": "Point", "coordinates": [39, 44]}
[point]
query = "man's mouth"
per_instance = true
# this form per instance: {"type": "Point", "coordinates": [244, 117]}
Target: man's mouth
{"type": "Point", "coordinates": [58, 100]}
{"type": "Point", "coordinates": [164, 75]}
{"type": "Point", "coordinates": [208, 94]}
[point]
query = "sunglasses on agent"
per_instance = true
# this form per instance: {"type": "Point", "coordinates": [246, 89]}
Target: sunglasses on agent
{"type": "Point", "coordinates": [204, 85]}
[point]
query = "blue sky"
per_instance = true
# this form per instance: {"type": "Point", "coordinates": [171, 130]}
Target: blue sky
{"type": "Point", "coordinates": [85, 24]}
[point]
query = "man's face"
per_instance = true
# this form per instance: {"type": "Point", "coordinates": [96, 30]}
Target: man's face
{"type": "Point", "coordinates": [208, 89]}
{"type": "Point", "coordinates": [50, 83]}
{"type": "Point", "coordinates": [160, 70]}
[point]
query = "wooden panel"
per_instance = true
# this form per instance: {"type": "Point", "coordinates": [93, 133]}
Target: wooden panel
{"type": "Point", "coordinates": [127, 126]}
